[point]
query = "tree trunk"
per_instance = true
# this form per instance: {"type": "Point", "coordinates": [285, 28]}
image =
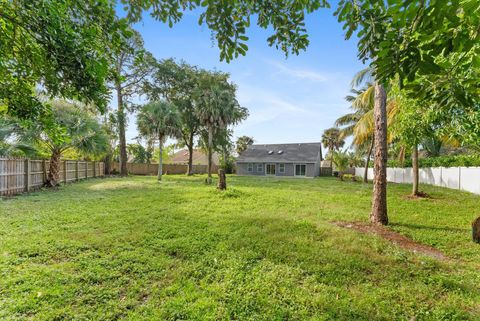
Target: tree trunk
{"type": "Point", "coordinates": [415, 170]}
{"type": "Point", "coordinates": [476, 230]}
{"type": "Point", "coordinates": [379, 202]}
{"type": "Point", "coordinates": [160, 158]}
{"type": "Point", "coordinates": [210, 147]}
{"type": "Point", "coordinates": [54, 169]}
{"type": "Point", "coordinates": [107, 163]}
{"type": "Point", "coordinates": [121, 131]}
{"type": "Point", "coordinates": [365, 174]}
{"type": "Point", "coordinates": [222, 180]}
{"type": "Point", "coordinates": [190, 155]}
{"type": "Point", "coordinates": [330, 151]}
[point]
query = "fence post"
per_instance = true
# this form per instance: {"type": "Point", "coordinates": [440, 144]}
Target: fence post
{"type": "Point", "coordinates": [76, 170]}
{"type": "Point", "coordinates": [44, 171]}
{"type": "Point", "coordinates": [65, 172]}
{"type": "Point", "coordinates": [94, 169]}
{"type": "Point", "coordinates": [27, 175]}
{"type": "Point", "coordinates": [459, 177]}
{"type": "Point", "coordinates": [86, 169]}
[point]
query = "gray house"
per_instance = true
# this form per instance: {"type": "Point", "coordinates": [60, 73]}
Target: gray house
{"type": "Point", "coordinates": [280, 160]}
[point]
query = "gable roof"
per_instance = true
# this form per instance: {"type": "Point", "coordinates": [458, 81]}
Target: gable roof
{"type": "Point", "coordinates": [286, 153]}
{"type": "Point", "coordinates": [198, 157]}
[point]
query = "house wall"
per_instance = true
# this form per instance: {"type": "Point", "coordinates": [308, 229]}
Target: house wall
{"type": "Point", "coordinates": [242, 169]}
{"type": "Point", "coordinates": [312, 169]}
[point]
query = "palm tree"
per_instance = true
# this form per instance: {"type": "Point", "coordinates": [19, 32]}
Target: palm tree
{"type": "Point", "coordinates": [217, 108]}
{"type": "Point", "coordinates": [158, 120]}
{"type": "Point", "coordinates": [341, 160]}
{"type": "Point", "coordinates": [74, 129]}
{"type": "Point", "coordinates": [12, 142]}
{"type": "Point", "coordinates": [242, 143]}
{"type": "Point", "coordinates": [333, 140]}
{"type": "Point", "coordinates": [360, 123]}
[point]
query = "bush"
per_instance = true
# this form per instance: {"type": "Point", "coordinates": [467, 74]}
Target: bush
{"type": "Point", "coordinates": [440, 161]}
{"type": "Point", "coordinates": [351, 177]}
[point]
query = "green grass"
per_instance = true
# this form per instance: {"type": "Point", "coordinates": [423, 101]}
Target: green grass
{"type": "Point", "coordinates": [263, 250]}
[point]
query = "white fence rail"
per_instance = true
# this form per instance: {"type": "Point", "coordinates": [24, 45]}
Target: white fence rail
{"type": "Point", "coordinates": [462, 178]}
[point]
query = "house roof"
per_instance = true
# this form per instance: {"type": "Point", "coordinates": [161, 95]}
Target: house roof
{"type": "Point", "coordinates": [198, 158]}
{"type": "Point", "coordinates": [287, 153]}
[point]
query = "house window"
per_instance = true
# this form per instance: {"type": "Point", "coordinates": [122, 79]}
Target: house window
{"type": "Point", "coordinates": [281, 168]}
{"type": "Point", "coordinates": [259, 167]}
{"type": "Point", "coordinates": [250, 167]}
{"type": "Point", "coordinates": [300, 169]}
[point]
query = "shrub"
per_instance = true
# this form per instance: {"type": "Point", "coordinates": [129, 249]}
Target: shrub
{"type": "Point", "coordinates": [440, 161]}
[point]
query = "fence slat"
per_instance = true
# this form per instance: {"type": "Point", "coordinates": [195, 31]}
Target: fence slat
{"type": "Point", "coordinates": [23, 175]}
{"type": "Point", "coordinates": [463, 178]}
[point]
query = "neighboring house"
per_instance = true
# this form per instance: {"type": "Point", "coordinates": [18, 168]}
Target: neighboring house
{"type": "Point", "coordinates": [280, 160]}
{"type": "Point", "coordinates": [199, 158]}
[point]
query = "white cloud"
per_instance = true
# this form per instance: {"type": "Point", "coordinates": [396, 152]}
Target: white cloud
{"type": "Point", "coordinates": [305, 74]}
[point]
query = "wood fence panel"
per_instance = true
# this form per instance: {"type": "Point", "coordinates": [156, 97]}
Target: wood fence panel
{"type": "Point", "coordinates": [37, 178]}
{"type": "Point", "coordinates": [152, 169]}
{"type": "Point", "coordinates": [89, 169]}
{"type": "Point", "coordinates": [71, 170]}
{"type": "Point", "coordinates": [23, 175]}
{"type": "Point", "coordinates": [82, 170]}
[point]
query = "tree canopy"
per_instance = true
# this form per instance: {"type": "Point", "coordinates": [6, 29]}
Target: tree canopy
{"type": "Point", "coordinates": [62, 48]}
{"type": "Point", "coordinates": [229, 20]}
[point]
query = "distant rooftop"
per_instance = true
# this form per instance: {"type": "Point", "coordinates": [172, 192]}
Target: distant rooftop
{"type": "Point", "coordinates": [287, 153]}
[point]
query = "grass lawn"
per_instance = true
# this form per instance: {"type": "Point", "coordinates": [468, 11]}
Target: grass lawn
{"type": "Point", "coordinates": [263, 250]}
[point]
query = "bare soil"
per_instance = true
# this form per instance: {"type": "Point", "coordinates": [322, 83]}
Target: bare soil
{"type": "Point", "coordinates": [394, 237]}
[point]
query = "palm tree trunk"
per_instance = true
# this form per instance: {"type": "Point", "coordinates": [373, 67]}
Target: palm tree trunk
{"type": "Point", "coordinates": [210, 147]}
{"type": "Point", "coordinates": [415, 170]}
{"type": "Point", "coordinates": [365, 174]}
{"type": "Point", "coordinates": [121, 130]}
{"type": "Point", "coordinates": [160, 158]}
{"type": "Point", "coordinates": [330, 151]}
{"type": "Point", "coordinates": [379, 203]}
{"type": "Point", "coordinates": [190, 155]}
{"type": "Point", "coordinates": [54, 169]}
{"type": "Point", "coordinates": [107, 163]}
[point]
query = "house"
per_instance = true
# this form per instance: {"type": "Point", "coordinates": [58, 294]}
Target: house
{"type": "Point", "coordinates": [198, 158]}
{"type": "Point", "coordinates": [280, 160]}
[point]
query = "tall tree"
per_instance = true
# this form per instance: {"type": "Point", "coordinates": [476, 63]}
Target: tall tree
{"type": "Point", "coordinates": [333, 140]}
{"type": "Point", "coordinates": [217, 108]}
{"type": "Point", "coordinates": [176, 83]}
{"type": "Point", "coordinates": [242, 143]}
{"type": "Point", "coordinates": [133, 64]}
{"type": "Point", "coordinates": [359, 123]}
{"type": "Point", "coordinates": [63, 47]}
{"type": "Point", "coordinates": [158, 120]}
{"type": "Point", "coordinates": [432, 40]}
{"type": "Point", "coordinates": [379, 203]}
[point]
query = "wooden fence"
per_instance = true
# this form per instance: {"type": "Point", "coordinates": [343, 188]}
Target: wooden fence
{"type": "Point", "coordinates": [23, 175]}
{"type": "Point", "coordinates": [152, 169]}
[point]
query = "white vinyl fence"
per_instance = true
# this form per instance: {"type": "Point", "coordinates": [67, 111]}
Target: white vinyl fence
{"type": "Point", "coordinates": [462, 178]}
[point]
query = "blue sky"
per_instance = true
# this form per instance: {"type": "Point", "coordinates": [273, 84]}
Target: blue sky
{"type": "Point", "coordinates": [290, 100]}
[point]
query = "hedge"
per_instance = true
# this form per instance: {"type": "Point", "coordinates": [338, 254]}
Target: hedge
{"type": "Point", "coordinates": [441, 161]}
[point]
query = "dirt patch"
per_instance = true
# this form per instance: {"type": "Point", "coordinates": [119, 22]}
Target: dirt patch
{"type": "Point", "coordinates": [394, 237]}
{"type": "Point", "coordinates": [419, 195]}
